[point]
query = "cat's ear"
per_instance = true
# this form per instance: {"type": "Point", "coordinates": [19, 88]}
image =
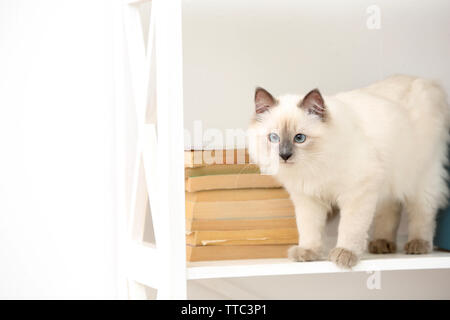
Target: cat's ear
{"type": "Point", "coordinates": [263, 100]}
{"type": "Point", "coordinates": [314, 104]}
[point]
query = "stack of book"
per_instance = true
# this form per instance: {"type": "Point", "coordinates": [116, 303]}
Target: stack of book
{"type": "Point", "coordinates": [233, 211]}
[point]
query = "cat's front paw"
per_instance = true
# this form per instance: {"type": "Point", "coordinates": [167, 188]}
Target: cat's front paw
{"type": "Point", "coordinates": [297, 253]}
{"type": "Point", "coordinates": [343, 258]}
{"type": "Point", "coordinates": [382, 246]}
{"type": "Point", "coordinates": [417, 246]}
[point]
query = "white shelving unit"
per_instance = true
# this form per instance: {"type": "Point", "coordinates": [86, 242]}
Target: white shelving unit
{"type": "Point", "coordinates": [155, 65]}
{"type": "Point", "coordinates": [271, 267]}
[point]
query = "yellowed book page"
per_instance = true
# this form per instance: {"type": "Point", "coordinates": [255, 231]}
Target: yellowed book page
{"type": "Point", "coordinates": [208, 253]}
{"type": "Point", "coordinates": [240, 224]}
{"type": "Point", "coordinates": [237, 195]}
{"type": "Point", "coordinates": [221, 169]}
{"type": "Point", "coordinates": [232, 181]}
{"type": "Point", "coordinates": [239, 209]}
{"type": "Point", "coordinates": [242, 237]}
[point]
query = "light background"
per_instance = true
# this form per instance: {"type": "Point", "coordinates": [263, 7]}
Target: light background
{"type": "Point", "coordinates": [58, 183]}
{"type": "Point", "coordinates": [57, 168]}
{"type": "Point", "coordinates": [288, 46]}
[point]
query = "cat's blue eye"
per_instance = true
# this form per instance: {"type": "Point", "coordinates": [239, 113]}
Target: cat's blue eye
{"type": "Point", "coordinates": [299, 138]}
{"type": "Point", "coordinates": [274, 138]}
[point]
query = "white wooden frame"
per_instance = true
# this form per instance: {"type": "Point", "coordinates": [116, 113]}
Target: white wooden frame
{"type": "Point", "coordinates": [158, 175]}
{"type": "Point", "coordinates": [158, 179]}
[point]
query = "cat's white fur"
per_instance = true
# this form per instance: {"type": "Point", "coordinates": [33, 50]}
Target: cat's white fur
{"type": "Point", "coordinates": [379, 148]}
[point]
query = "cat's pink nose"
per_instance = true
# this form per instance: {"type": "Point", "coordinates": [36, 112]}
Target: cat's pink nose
{"type": "Point", "coordinates": [286, 155]}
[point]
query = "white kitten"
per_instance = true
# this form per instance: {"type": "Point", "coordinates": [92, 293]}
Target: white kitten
{"type": "Point", "coordinates": [369, 152]}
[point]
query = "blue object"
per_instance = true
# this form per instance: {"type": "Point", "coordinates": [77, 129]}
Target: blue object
{"type": "Point", "coordinates": [442, 235]}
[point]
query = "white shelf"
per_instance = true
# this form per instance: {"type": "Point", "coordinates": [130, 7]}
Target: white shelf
{"type": "Point", "coordinates": [269, 267]}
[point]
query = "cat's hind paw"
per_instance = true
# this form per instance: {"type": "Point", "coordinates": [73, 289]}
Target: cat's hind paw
{"type": "Point", "coordinates": [343, 258]}
{"type": "Point", "coordinates": [417, 246]}
{"type": "Point", "coordinates": [382, 246]}
{"type": "Point", "coordinates": [300, 254]}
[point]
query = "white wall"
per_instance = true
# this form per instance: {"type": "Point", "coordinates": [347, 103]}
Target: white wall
{"type": "Point", "coordinates": [57, 196]}
{"type": "Point", "coordinates": [289, 46]}
{"type": "Point", "coordinates": [57, 170]}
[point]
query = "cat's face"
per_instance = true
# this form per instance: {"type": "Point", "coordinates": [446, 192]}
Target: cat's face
{"type": "Point", "coordinates": [286, 131]}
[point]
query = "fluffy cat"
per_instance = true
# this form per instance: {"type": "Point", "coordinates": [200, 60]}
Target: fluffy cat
{"type": "Point", "coordinates": [369, 152]}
